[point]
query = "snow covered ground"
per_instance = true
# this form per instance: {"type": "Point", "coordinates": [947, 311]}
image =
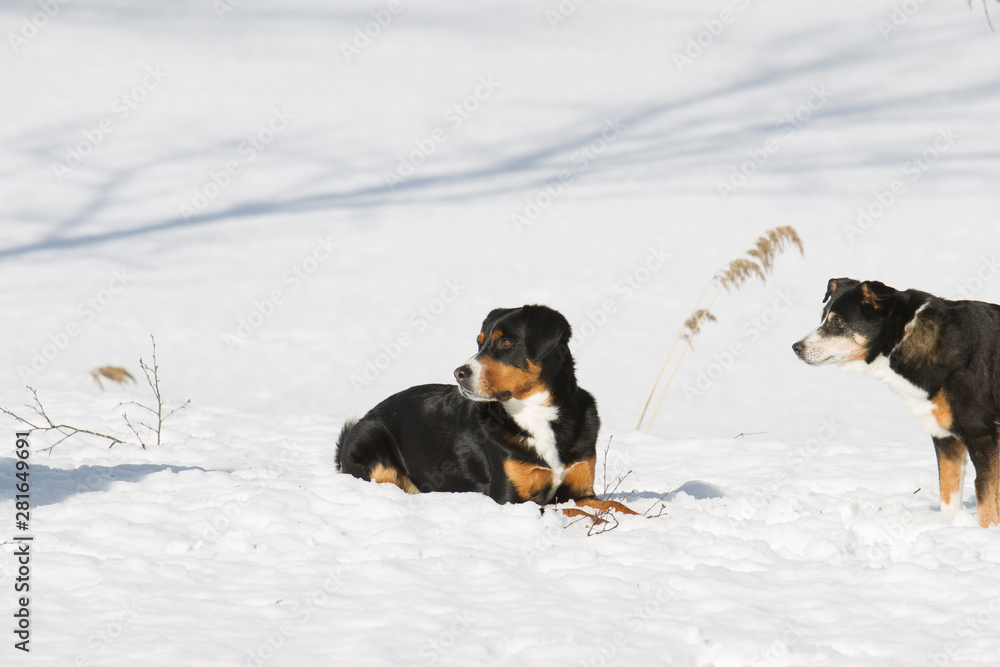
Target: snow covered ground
{"type": "Point", "coordinates": [309, 218]}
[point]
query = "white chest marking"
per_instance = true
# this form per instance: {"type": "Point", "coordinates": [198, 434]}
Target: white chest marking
{"type": "Point", "coordinates": [536, 417]}
{"type": "Point", "coordinates": [915, 398]}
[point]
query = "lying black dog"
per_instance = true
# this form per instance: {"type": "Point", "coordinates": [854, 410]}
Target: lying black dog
{"type": "Point", "coordinates": [516, 428]}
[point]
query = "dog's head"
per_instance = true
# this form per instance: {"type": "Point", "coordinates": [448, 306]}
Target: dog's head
{"type": "Point", "coordinates": [520, 350]}
{"type": "Point", "coordinates": [854, 316]}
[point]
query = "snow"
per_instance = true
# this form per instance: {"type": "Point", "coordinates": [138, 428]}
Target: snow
{"type": "Point", "coordinates": [237, 201]}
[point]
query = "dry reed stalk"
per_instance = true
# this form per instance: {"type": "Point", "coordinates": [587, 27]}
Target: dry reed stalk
{"type": "Point", "coordinates": [758, 262]}
{"type": "Point", "coordinates": [986, 9]}
{"type": "Point", "coordinates": [666, 360]}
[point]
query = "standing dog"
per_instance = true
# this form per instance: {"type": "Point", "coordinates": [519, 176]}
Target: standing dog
{"type": "Point", "coordinates": [516, 428]}
{"type": "Point", "coordinates": [942, 357]}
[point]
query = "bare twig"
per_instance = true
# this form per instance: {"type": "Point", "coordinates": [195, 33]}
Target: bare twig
{"type": "Point", "coordinates": [661, 512]}
{"type": "Point", "coordinates": [604, 519]}
{"type": "Point", "coordinates": [41, 421]}
{"type": "Point", "coordinates": [152, 374]}
{"type": "Point", "coordinates": [67, 431]}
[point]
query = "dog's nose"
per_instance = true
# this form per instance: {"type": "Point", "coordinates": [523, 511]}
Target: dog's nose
{"type": "Point", "coordinates": [798, 348]}
{"type": "Point", "coordinates": [463, 373]}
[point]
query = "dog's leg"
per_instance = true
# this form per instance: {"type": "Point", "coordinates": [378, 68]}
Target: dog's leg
{"type": "Point", "coordinates": [986, 459]}
{"type": "Point", "coordinates": [604, 505]}
{"type": "Point", "coordinates": [951, 455]}
{"type": "Point", "coordinates": [574, 512]}
{"type": "Point", "coordinates": [579, 483]}
{"type": "Point", "coordinates": [530, 481]}
{"type": "Point", "coordinates": [368, 451]}
{"type": "Point", "coordinates": [384, 474]}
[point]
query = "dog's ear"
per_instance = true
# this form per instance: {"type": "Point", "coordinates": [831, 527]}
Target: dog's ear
{"type": "Point", "coordinates": [494, 315]}
{"type": "Point", "coordinates": [875, 295]}
{"type": "Point", "coordinates": [547, 329]}
{"type": "Point", "coordinates": [836, 284]}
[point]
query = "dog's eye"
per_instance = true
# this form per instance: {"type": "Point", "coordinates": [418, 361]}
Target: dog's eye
{"type": "Point", "coordinates": [837, 322]}
{"type": "Point", "coordinates": [504, 343]}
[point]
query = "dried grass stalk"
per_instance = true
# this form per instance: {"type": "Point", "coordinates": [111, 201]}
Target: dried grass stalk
{"type": "Point", "coordinates": [757, 262]}
{"type": "Point", "coordinates": [986, 9]}
{"type": "Point", "coordinates": [692, 325]}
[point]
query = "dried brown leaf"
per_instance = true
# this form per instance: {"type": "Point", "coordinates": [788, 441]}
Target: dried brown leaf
{"type": "Point", "coordinates": [113, 373]}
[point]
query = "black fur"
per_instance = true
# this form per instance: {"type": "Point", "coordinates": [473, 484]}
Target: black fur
{"type": "Point", "coordinates": [441, 440]}
{"type": "Point", "coordinates": [948, 349]}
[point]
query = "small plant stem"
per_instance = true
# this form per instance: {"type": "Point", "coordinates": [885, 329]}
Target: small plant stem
{"type": "Point", "coordinates": [673, 346]}
{"type": "Point", "coordinates": [677, 365]}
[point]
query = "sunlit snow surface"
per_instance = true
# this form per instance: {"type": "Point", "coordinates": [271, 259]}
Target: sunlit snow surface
{"type": "Point", "coordinates": [308, 221]}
